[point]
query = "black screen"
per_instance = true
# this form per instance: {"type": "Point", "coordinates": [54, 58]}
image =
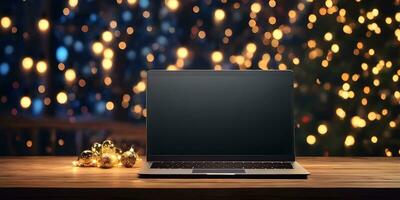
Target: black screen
{"type": "Point", "coordinates": [220, 114]}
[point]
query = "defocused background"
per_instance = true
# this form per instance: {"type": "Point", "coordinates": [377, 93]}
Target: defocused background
{"type": "Point", "coordinates": [74, 72]}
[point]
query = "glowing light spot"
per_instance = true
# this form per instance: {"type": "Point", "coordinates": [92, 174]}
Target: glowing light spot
{"type": "Point", "coordinates": [61, 54]}
{"type": "Point", "coordinates": [392, 124]}
{"type": "Point", "coordinates": [358, 122]}
{"type": "Point", "coordinates": [108, 53]}
{"type": "Point", "coordinates": [43, 25]}
{"type": "Point", "coordinates": [272, 3]}
{"type": "Point", "coordinates": [131, 2]}
{"type": "Point", "coordinates": [201, 34]}
{"type": "Point", "coordinates": [322, 129]}
{"type": "Point", "coordinates": [196, 9]}
{"type": "Point", "coordinates": [255, 7]}
{"type": "Point", "coordinates": [41, 66]}
{"type": "Point", "coordinates": [296, 61]}
{"type": "Point", "coordinates": [311, 139]}
{"type": "Point", "coordinates": [106, 64]}
{"type": "Point", "coordinates": [41, 89]}
{"type": "Point", "coordinates": [122, 45]}
{"type": "Point", "coordinates": [107, 36]}
{"type": "Point", "coordinates": [97, 47]}
{"type": "Point", "coordinates": [70, 75]}
{"type": "Point", "coordinates": [130, 30]}
{"type": "Point", "coordinates": [397, 17]}
{"type": "Point", "coordinates": [277, 34]}
{"type": "Point", "coordinates": [388, 153]}
{"type": "Point", "coordinates": [371, 52]}
{"type": "Point", "coordinates": [25, 102]}
{"type": "Point", "coordinates": [27, 63]}
{"type": "Point", "coordinates": [141, 86]}
{"type": "Point", "coordinates": [107, 80]}
{"type": "Point", "coordinates": [172, 68]}
{"type": "Point", "coordinates": [335, 48]}
{"type": "Point", "coordinates": [217, 56]}
{"type": "Point", "coordinates": [312, 18]}
{"type": "Point", "coordinates": [251, 47]}
{"type": "Point", "coordinates": [109, 105]}
{"type": "Point", "coordinates": [182, 52]}
{"type": "Point", "coordinates": [5, 22]}
{"type": "Point", "coordinates": [361, 19]}
{"type": "Point", "coordinates": [150, 57]}
{"type": "Point", "coordinates": [219, 15]}
{"type": "Point", "coordinates": [340, 113]}
{"type": "Point", "coordinates": [349, 141]}
{"type": "Point", "coordinates": [374, 139]}
{"type": "Point", "coordinates": [172, 4]}
{"type": "Point", "coordinates": [73, 3]}
{"type": "Point", "coordinates": [62, 98]}
{"type": "Point", "coordinates": [346, 86]}
{"type": "Point", "coordinates": [372, 116]}
{"type": "Point", "coordinates": [60, 142]}
{"type": "Point", "coordinates": [29, 143]}
{"type": "Point", "coordinates": [328, 36]}
{"type": "Point", "coordinates": [345, 76]}
{"type": "Point", "coordinates": [137, 109]}
{"type": "Point", "coordinates": [328, 3]}
{"type": "Point", "coordinates": [347, 29]}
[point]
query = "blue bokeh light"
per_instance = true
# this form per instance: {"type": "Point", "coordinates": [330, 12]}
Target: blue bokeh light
{"type": "Point", "coordinates": [4, 68]}
{"type": "Point", "coordinates": [78, 46]}
{"type": "Point", "coordinates": [68, 40]}
{"type": "Point", "coordinates": [101, 107]}
{"type": "Point", "coordinates": [144, 3]}
{"type": "Point", "coordinates": [8, 50]}
{"type": "Point", "coordinates": [61, 54]}
{"type": "Point", "coordinates": [37, 106]}
{"type": "Point", "coordinates": [126, 16]}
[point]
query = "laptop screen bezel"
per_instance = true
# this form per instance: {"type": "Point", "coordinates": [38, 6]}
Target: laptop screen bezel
{"type": "Point", "coordinates": [280, 157]}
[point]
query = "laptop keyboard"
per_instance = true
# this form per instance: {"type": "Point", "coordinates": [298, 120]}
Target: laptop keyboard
{"type": "Point", "coordinates": [220, 165]}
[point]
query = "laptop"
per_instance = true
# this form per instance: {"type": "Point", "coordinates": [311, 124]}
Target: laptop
{"type": "Point", "coordinates": [203, 123]}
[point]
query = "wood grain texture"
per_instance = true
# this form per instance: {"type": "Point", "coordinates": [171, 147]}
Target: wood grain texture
{"type": "Point", "coordinates": [356, 177]}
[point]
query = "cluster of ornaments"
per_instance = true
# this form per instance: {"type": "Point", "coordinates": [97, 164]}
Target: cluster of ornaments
{"type": "Point", "coordinates": [106, 155]}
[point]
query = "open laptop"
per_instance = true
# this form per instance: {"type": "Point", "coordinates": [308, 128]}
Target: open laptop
{"type": "Point", "coordinates": [220, 123]}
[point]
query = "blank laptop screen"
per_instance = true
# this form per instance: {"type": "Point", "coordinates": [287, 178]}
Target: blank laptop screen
{"type": "Point", "coordinates": [219, 114]}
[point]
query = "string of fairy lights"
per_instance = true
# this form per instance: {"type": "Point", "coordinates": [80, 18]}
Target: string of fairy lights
{"type": "Point", "coordinates": [344, 55]}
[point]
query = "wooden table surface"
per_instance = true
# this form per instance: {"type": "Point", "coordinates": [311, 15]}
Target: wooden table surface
{"type": "Point", "coordinates": [355, 177]}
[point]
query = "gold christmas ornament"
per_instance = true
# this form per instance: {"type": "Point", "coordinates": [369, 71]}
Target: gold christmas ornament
{"type": "Point", "coordinates": [106, 161]}
{"type": "Point", "coordinates": [128, 158]}
{"type": "Point", "coordinates": [87, 159]}
{"type": "Point", "coordinates": [106, 155]}
{"type": "Point", "coordinates": [107, 147]}
{"type": "Point", "coordinates": [96, 148]}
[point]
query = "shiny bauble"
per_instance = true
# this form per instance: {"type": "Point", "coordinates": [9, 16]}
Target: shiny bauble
{"type": "Point", "coordinates": [128, 158]}
{"type": "Point", "coordinates": [107, 161]}
{"type": "Point", "coordinates": [107, 147]}
{"type": "Point", "coordinates": [96, 148]}
{"type": "Point", "coordinates": [86, 159]}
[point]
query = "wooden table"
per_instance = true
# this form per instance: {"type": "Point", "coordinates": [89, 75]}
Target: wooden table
{"type": "Point", "coordinates": [333, 177]}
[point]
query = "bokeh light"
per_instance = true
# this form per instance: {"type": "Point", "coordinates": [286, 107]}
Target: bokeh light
{"type": "Point", "coordinates": [217, 56]}
{"type": "Point", "coordinates": [27, 63]}
{"type": "Point", "coordinates": [41, 67]}
{"type": "Point", "coordinates": [219, 15]}
{"type": "Point", "coordinates": [43, 25]}
{"type": "Point", "coordinates": [25, 102]}
{"type": "Point", "coordinates": [5, 22]}
{"type": "Point", "coordinates": [70, 75]}
{"type": "Point", "coordinates": [62, 98]}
